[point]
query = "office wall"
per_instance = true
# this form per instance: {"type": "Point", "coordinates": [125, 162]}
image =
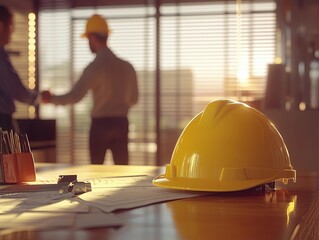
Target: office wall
{"type": "Point", "coordinates": [300, 131]}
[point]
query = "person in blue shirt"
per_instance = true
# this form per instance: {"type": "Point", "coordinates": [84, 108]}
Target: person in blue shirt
{"type": "Point", "coordinates": [11, 86]}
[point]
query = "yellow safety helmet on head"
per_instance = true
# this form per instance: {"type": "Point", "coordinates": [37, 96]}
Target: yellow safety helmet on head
{"type": "Point", "coordinates": [96, 24]}
{"type": "Point", "coordinates": [227, 147]}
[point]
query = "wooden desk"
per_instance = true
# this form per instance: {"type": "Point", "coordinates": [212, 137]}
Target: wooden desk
{"type": "Point", "coordinates": [279, 214]}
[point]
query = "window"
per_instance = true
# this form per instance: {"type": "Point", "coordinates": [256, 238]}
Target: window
{"type": "Point", "coordinates": [207, 51]}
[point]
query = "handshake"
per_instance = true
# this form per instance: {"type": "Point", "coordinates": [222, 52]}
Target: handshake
{"type": "Point", "coordinates": [45, 97]}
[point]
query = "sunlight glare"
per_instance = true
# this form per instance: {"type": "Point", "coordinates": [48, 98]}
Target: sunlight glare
{"type": "Point", "coordinates": [242, 74]}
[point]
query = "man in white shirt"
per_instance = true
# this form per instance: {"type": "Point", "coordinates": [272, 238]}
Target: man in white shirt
{"type": "Point", "coordinates": [113, 83]}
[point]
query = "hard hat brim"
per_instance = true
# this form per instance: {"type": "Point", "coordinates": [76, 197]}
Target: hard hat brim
{"type": "Point", "coordinates": [207, 185]}
{"type": "Point", "coordinates": [85, 35]}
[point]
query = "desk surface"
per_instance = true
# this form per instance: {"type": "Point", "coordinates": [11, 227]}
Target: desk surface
{"type": "Point", "coordinates": [291, 212]}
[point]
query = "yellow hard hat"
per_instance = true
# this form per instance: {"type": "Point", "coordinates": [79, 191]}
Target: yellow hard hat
{"type": "Point", "coordinates": [227, 147]}
{"type": "Point", "coordinates": [96, 24]}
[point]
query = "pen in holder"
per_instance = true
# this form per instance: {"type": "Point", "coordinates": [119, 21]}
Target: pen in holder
{"type": "Point", "coordinates": [17, 164]}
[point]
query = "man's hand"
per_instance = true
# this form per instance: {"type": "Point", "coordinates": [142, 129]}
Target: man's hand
{"type": "Point", "coordinates": [46, 97]}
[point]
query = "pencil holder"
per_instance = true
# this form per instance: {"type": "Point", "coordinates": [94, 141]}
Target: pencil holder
{"type": "Point", "coordinates": [26, 167]}
{"type": "Point", "coordinates": [10, 168]}
{"type": "Point", "coordinates": [18, 167]}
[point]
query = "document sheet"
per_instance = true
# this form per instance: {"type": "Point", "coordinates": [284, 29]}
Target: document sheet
{"type": "Point", "coordinates": [110, 194]}
{"type": "Point", "coordinates": [51, 209]}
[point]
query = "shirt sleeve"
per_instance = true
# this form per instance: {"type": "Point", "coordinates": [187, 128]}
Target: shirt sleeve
{"type": "Point", "coordinates": [12, 85]}
{"type": "Point", "coordinates": [80, 88]}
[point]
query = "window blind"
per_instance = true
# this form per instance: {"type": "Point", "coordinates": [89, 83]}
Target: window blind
{"type": "Point", "coordinates": [54, 34]}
